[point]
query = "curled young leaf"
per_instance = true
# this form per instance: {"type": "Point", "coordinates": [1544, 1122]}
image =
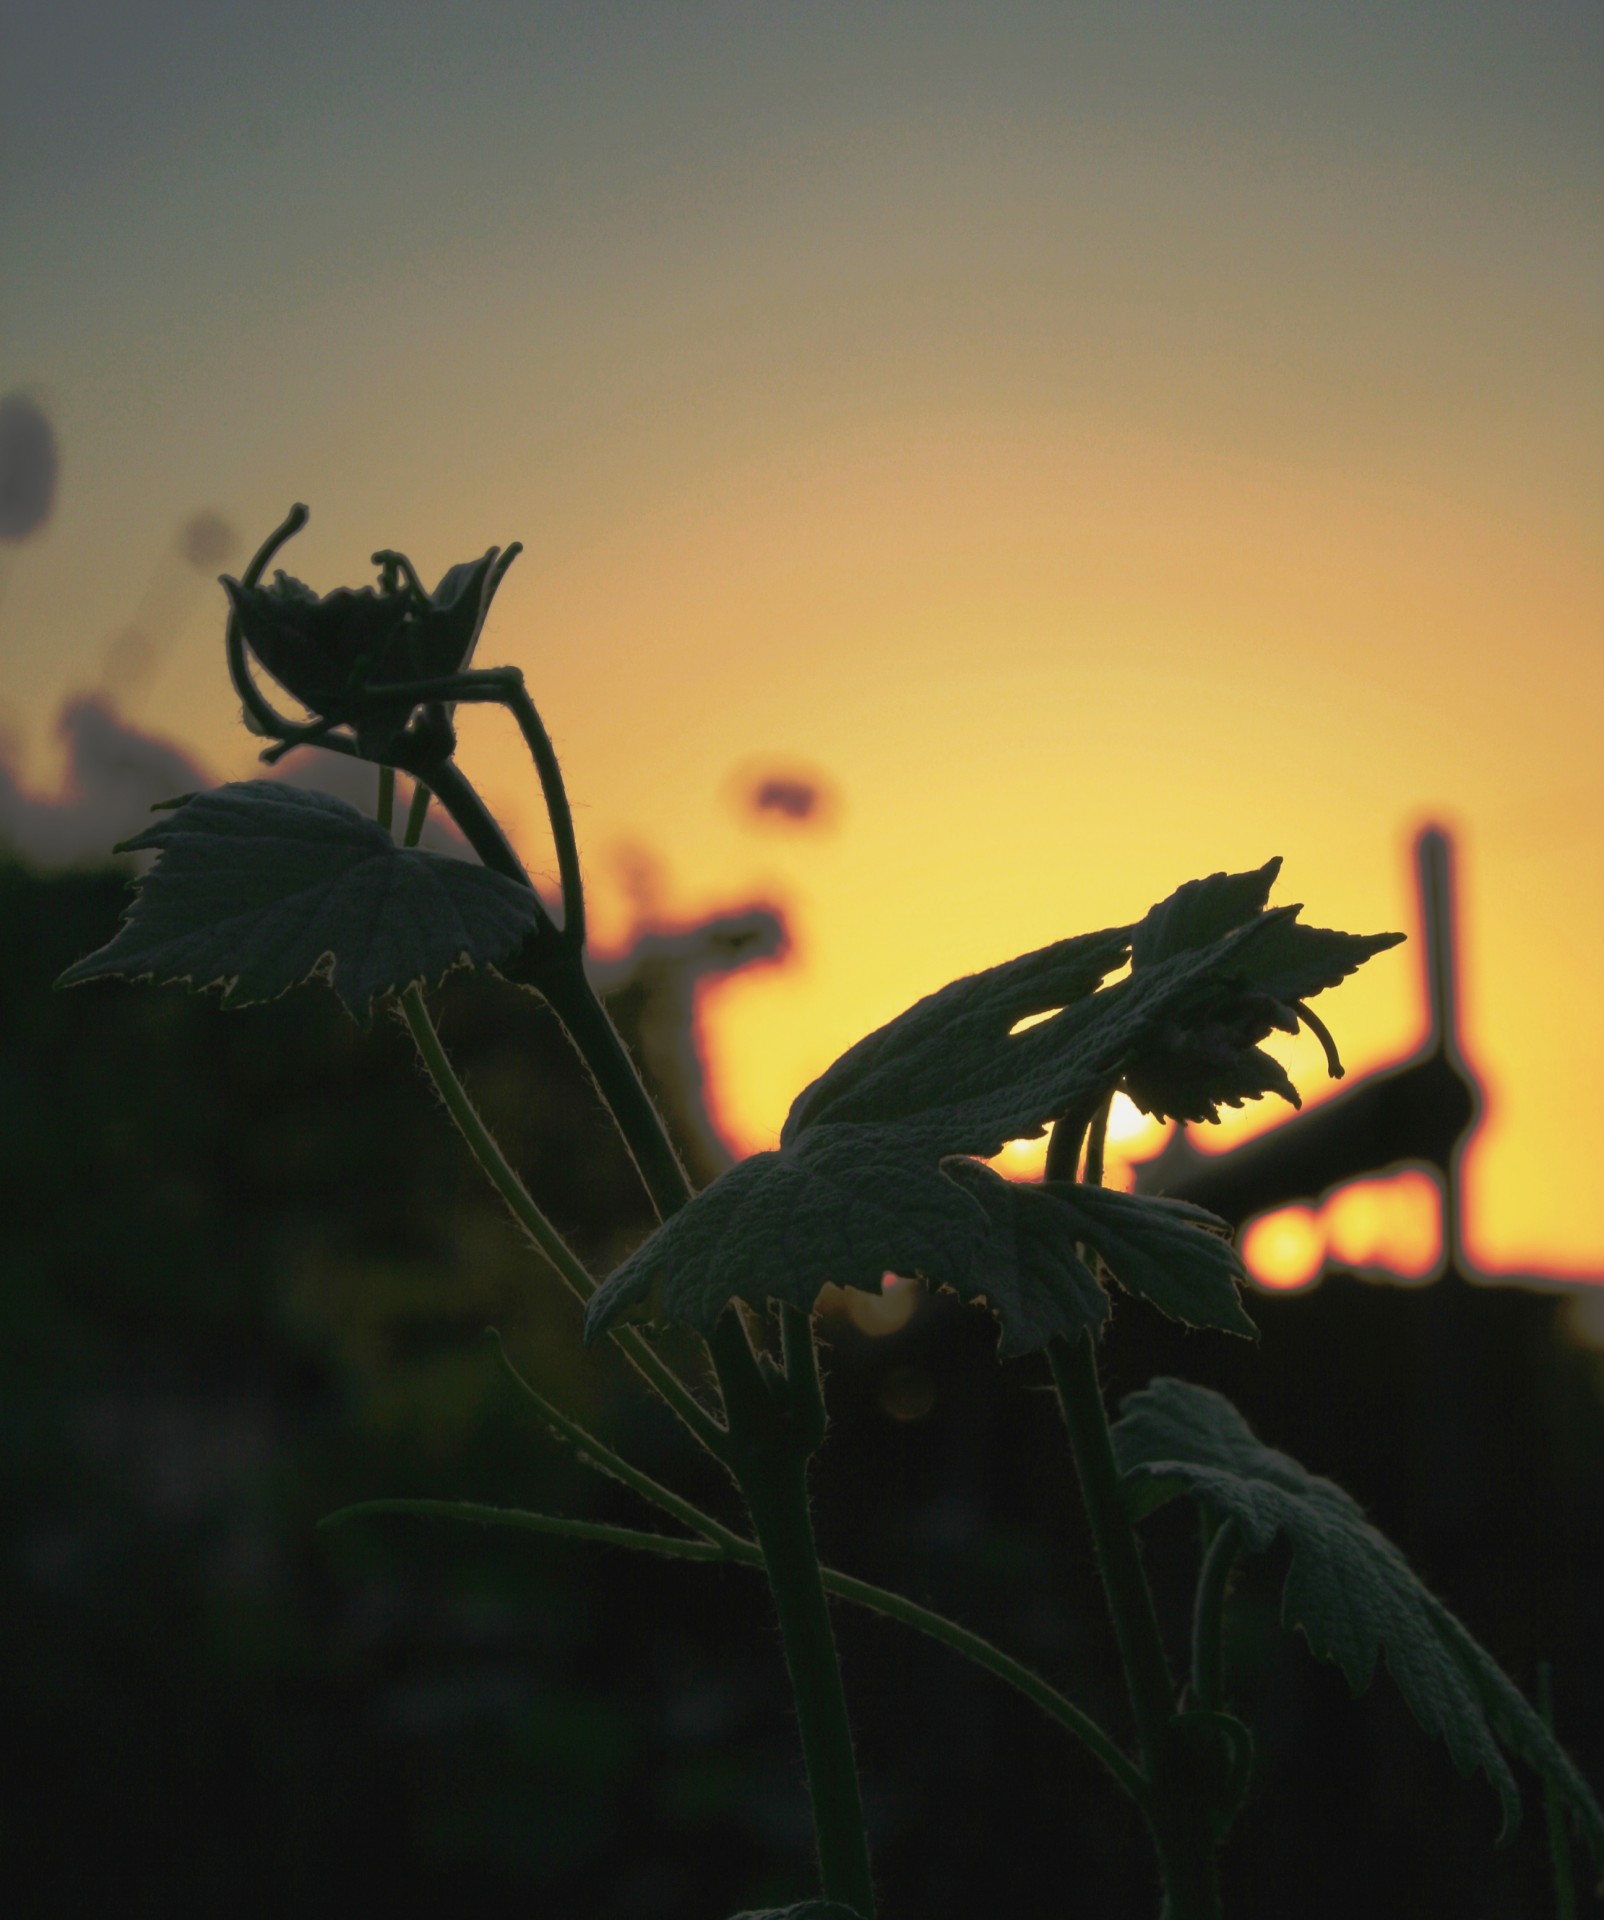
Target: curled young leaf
{"type": "Point", "coordinates": [326, 651]}
{"type": "Point", "coordinates": [258, 886]}
{"type": "Point", "coordinates": [1207, 1055]}
{"type": "Point", "coordinates": [1348, 1588]}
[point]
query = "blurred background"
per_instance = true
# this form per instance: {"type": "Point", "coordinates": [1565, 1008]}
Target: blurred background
{"type": "Point", "coordinates": [978, 469]}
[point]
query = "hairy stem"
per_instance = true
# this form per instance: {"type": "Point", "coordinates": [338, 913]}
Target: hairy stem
{"type": "Point", "coordinates": [775, 1486]}
{"type": "Point", "coordinates": [598, 1455]}
{"type": "Point", "coordinates": [1559, 1838]}
{"type": "Point", "coordinates": [520, 1203]}
{"type": "Point", "coordinates": [736, 1551]}
{"type": "Point", "coordinates": [1130, 1602]}
{"type": "Point", "coordinates": [416, 814]}
{"type": "Point", "coordinates": [1179, 1819]}
{"type": "Point", "coordinates": [767, 1456]}
{"type": "Point", "coordinates": [1208, 1615]}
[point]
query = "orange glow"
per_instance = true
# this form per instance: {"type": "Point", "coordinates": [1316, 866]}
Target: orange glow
{"type": "Point", "coordinates": [1393, 1225]}
{"type": "Point", "coordinates": [1132, 1136]}
{"type": "Point", "coordinates": [1390, 1226]}
{"type": "Point", "coordinates": [1285, 1250]}
{"type": "Point", "coordinates": [1022, 1159]}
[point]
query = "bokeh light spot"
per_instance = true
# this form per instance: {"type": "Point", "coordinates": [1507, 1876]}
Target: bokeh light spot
{"type": "Point", "coordinates": [1284, 1250]}
{"type": "Point", "coordinates": [1392, 1224]}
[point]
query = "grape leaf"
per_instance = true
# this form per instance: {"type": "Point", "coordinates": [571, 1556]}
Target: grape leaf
{"type": "Point", "coordinates": [874, 1172]}
{"type": "Point", "coordinates": [1191, 1066]}
{"type": "Point", "coordinates": [1174, 1255]}
{"type": "Point", "coordinates": [1348, 1588]}
{"type": "Point", "coordinates": [259, 885]}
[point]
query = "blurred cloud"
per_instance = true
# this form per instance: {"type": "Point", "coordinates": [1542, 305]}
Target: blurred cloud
{"type": "Point", "coordinates": [208, 541]}
{"type": "Point", "coordinates": [784, 797]}
{"type": "Point", "coordinates": [115, 774]}
{"type": "Point", "coordinates": [29, 465]}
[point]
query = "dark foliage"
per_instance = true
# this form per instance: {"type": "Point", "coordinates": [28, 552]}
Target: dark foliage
{"type": "Point", "coordinates": [245, 1270]}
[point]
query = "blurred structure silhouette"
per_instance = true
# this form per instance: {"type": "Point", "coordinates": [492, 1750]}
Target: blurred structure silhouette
{"type": "Point", "coordinates": [1418, 1112]}
{"type": "Point", "coordinates": [651, 990]}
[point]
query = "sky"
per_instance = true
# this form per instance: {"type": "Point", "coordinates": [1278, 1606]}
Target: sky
{"type": "Point", "coordinates": [1096, 446]}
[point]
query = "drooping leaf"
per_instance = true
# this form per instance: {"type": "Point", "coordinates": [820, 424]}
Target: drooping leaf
{"type": "Point", "coordinates": [1348, 1588]}
{"type": "Point", "coordinates": [258, 886]}
{"type": "Point", "coordinates": [843, 1205]}
{"type": "Point", "coordinates": [1176, 1256]}
{"type": "Point", "coordinates": [870, 1175]}
{"type": "Point", "coordinates": [847, 1205]}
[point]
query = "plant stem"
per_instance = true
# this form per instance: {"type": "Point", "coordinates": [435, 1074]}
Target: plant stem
{"type": "Point", "coordinates": [1208, 1615]}
{"type": "Point", "coordinates": [775, 1485]}
{"type": "Point", "coordinates": [862, 1593]}
{"type": "Point", "coordinates": [485, 1148]}
{"type": "Point", "coordinates": [975, 1647]}
{"type": "Point", "coordinates": [1130, 1603]}
{"type": "Point", "coordinates": [472, 1510]}
{"type": "Point", "coordinates": [598, 1455]}
{"type": "Point", "coordinates": [416, 814]}
{"type": "Point", "coordinates": [1559, 1839]}
{"type": "Point", "coordinates": [1178, 1817]}
{"type": "Point", "coordinates": [762, 1447]}
{"type": "Point", "coordinates": [767, 1449]}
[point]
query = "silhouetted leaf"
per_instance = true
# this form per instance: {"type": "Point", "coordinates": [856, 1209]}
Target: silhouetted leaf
{"type": "Point", "coordinates": [259, 886]}
{"type": "Point", "coordinates": [870, 1176]}
{"type": "Point", "coordinates": [1192, 1066]}
{"type": "Point", "coordinates": [1348, 1588]}
{"type": "Point", "coordinates": [1176, 1256]}
{"type": "Point", "coordinates": [327, 649]}
{"type": "Point", "coordinates": [1199, 912]}
{"type": "Point", "coordinates": [951, 1067]}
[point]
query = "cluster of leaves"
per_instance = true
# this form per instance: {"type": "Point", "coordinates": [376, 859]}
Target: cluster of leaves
{"type": "Point", "coordinates": [260, 886]}
{"type": "Point", "coordinates": [881, 1168]}
{"type": "Point", "coordinates": [1348, 1588]}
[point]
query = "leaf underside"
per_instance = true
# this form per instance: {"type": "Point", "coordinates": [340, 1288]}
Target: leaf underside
{"type": "Point", "coordinates": [259, 886]}
{"type": "Point", "coordinates": [1348, 1588]}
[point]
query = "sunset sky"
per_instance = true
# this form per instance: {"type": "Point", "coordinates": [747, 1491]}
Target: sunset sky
{"type": "Point", "coordinates": [1102, 444]}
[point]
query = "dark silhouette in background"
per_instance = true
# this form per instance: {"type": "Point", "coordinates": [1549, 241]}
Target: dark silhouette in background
{"type": "Point", "coordinates": [1418, 1112]}
{"type": "Point", "coordinates": [244, 1276]}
